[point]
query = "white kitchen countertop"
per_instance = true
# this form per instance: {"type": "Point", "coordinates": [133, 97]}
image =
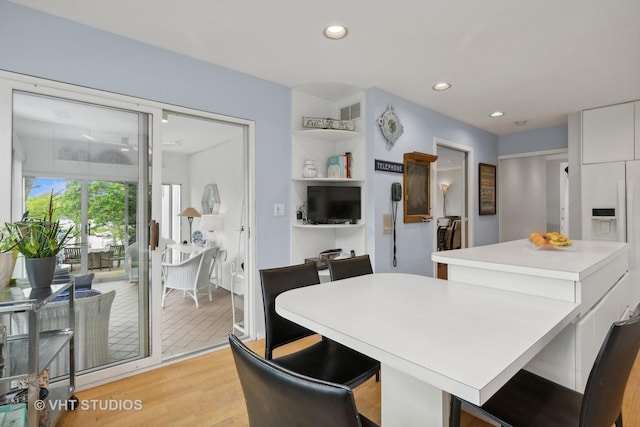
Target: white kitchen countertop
{"type": "Point", "coordinates": [574, 262]}
{"type": "Point", "coordinates": [465, 339]}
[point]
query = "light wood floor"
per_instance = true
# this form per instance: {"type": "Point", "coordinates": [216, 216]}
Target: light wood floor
{"type": "Point", "coordinates": [205, 391]}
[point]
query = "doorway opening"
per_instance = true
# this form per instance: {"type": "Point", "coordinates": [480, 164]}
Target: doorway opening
{"type": "Point", "coordinates": [534, 194]}
{"type": "Point", "coordinates": [453, 203]}
{"type": "Point", "coordinates": [205, 169]}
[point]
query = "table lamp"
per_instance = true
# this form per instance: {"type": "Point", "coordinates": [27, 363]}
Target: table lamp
{"type": "Point", "coordinates": [212, 227]}
{"type": "Point", "coordinates": [190, 213]}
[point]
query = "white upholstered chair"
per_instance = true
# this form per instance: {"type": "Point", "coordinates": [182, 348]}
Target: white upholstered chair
{"type": "Point", "coordinates": [191, 276]}
{"type": "Point", "coordinates": [91, 336]}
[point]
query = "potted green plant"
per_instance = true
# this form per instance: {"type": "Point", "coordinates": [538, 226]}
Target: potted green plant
{"type": "Point", "coordinates": [8, 256]}
{"type": "Point", "coordinates": [39, 240]}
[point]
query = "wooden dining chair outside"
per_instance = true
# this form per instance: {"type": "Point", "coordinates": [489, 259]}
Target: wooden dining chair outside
{"type": "Point", "coordinates": [115, 253]}
{"type": "Point", "coordinates": [350, 267]}
{"type": "Point", "coordinates": [326, 360]}
{"type": "Point", "coordinates": [529, 400]}
{"type": "Point", "coordinates": [72, 255]}
{"type": "Point", "coordinates": [277, 397]}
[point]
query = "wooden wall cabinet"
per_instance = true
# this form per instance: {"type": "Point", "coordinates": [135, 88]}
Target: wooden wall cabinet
{"type": "Point", "coordinates": [417, 186]}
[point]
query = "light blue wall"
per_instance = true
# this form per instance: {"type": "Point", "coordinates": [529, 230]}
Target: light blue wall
{"type": "Point", "coordinates": [414, 241]}
{"type": "Point", "coordinates": [535, 140]}
{"type": "Point", "coordinates": [45, 46]}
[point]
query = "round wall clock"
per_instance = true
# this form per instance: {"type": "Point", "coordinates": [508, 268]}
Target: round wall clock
{"type": "Point", "coordinates": [390, 126]}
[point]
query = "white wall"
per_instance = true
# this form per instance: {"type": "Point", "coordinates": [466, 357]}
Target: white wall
{"type": "Point", "coordinates": [221, 165]}
{"type": "Point", "coordinates": [523, 197]}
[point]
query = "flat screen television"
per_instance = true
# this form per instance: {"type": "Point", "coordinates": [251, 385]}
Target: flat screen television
{"type": "Point", "coordinates": [333, 204]}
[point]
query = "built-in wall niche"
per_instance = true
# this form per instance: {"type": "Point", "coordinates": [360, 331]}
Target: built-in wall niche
{"type": "Point", "coordinates": [327, 100]}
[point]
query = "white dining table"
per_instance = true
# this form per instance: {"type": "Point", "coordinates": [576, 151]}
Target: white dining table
{"type": "Point", "coordinates": [432, 337]}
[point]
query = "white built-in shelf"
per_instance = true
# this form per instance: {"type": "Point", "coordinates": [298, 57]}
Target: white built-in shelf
{"type": "Point", "coordinates": [325, 100]}
{"type": "Point", "coordinates": [329, 226]}
{"type": "Point", "coordinates": [329, 134]}
{"type": "Point", "coordinates": [328, 179]}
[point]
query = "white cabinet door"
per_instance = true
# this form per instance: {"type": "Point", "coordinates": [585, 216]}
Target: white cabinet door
{"type": "Point", "coordinates": [608, 134]}
{"type": "Point", "coordinates": [592, 328]}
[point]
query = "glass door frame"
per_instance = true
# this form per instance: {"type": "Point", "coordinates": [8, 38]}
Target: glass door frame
{"type": "Point", "coordinates": [252, 312]}
{"type": "Point", "coordinates": [12, 81]}
{"type": "Point", "coordinates": [8, 84]}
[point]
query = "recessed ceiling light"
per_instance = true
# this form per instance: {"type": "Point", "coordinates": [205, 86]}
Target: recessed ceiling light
{"type": "Point", "coordinates": [441, 86]}
{"type": "Point", "coordinates": [497, 114]}
{"type": "Point", "coordinates": [335, 32]}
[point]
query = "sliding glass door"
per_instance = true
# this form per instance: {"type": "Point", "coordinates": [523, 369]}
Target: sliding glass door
{"type": "Point", "coordinates": [99, 154]}
{"type": "Point", "coordinates": [95, 161]}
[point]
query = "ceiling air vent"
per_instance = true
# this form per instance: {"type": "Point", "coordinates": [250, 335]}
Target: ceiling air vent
{"type": "Point", "coordinates": [350, 112]}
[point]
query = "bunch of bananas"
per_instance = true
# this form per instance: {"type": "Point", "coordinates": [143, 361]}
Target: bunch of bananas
{"type": "Point", "coordinates": [557, 239]}
{"type": "Point", "coordinates": [550, 238]}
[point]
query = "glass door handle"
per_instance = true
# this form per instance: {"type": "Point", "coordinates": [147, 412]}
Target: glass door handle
{"type": "Point", "coordinates": [154, 234]}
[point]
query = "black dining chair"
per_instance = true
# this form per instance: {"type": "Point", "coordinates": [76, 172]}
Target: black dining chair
{"type": "Point", "coordinates": [277, 397]}
{"type": "Point", "coordinates": [326, 360]}
{"type": "Point", "coordinates": [350, 267]}
{"type": "Point", "coordinates": [528, 400]}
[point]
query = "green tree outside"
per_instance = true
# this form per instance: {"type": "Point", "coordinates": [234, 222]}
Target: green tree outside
{"type": "Point", "coordinates": [106, 206]}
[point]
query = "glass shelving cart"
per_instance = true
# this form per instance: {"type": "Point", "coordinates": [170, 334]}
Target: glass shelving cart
{"type": "Point", "coordinates": [27, 352]}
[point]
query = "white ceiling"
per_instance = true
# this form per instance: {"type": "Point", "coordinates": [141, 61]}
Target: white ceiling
{"type": "Point", "coordinates": [535, 60]}
{"type": "Point", "coordinates": [190, 135]}
{"type": "Point", "coordinates": [48, 118]}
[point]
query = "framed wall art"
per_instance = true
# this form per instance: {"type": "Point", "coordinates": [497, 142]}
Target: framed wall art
{"type": "Point", "coordinates": [417, 186]}
{"type": "Point", "coordinates": [487, 190]}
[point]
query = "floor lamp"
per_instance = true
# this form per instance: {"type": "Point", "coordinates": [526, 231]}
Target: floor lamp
{"type": "Point", "coordinates": [190, 213]}
{"type": "Point", "coordinates": [444, 187]}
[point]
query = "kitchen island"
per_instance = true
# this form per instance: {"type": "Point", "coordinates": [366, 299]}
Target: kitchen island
{"type": "Point", "coordinates": [593, 274]}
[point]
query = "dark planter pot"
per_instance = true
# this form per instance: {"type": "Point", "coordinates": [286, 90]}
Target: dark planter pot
{"type": "Point", "coordinates": [40, 271]}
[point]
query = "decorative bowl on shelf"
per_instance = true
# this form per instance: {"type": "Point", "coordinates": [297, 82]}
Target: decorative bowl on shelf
{"type": "Point", "coordinates": [310, 170]}
{"type": "Point", "coordinates": [197, 237]}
